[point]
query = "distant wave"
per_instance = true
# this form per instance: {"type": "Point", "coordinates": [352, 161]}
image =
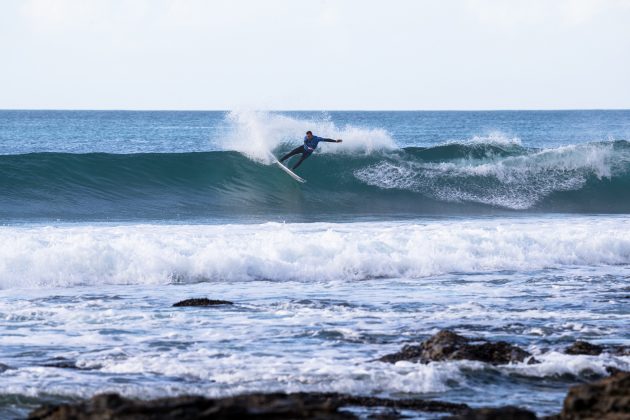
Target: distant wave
{"type": "Point", "coordinates": [450, 178]}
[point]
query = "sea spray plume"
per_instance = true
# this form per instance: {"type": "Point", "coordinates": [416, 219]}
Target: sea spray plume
{"type": "Point", "coordinates": [256, 133]}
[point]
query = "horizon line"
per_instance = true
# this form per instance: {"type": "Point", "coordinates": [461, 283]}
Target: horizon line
{"type": "Point", "coordinates": [316, 110]}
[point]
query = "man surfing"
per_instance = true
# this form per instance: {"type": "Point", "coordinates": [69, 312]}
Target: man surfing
{"type": "Point", "coordinates": [310, 144]}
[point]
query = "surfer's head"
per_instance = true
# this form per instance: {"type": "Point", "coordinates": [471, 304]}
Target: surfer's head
{"type": "Point", "coordinates": [309, 134]}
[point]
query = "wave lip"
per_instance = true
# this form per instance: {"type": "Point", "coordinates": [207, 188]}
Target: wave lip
{"type": "Point", "coordinates": [159, 254]}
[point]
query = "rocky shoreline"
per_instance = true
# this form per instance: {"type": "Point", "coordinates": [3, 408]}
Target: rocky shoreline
{"type": "Point", "coordinates": [607, 398]}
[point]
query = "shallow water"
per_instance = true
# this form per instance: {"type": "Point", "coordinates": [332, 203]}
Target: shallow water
{"type": "Point", "coordinates": [315, 327]}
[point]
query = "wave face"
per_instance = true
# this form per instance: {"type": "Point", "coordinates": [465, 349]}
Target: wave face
{"type": "Point", "coordinates": [476, 177]}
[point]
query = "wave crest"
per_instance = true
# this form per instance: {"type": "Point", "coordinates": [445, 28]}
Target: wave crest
{"type": "Point", "coordinates": [256, 133]}
{"type": "Point", "coordinates": [505, 180]}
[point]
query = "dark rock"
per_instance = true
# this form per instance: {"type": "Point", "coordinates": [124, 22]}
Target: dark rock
{"type": "Point", "coordinates": [584, 347]}
{"type": "Point", "coordinates": [62, 365]}
{"type": "Point", "coordinates": [60, 362]}
{"type": "Point", "coordinates": [606, 399]}
{"type": "Point", "coordinates": [267, 406]}
{"type": "Point", "coordinates": [260, 406]}
{"type": "Point", "coordinates": [446, 345]}
{"type": "Point", "coordinates": [619, 350]}
{"type": "Point", "coordinates": [389, 414]}
{"type": "Point", "coordinates": [611, 370]}
{"type": "Point", "coordinates": [406, 404]}
{"type": "Point", "coordinates": [500, 413]}
{"type": "Point", "coordinates": [203, 302]}
{"type": "Point", "coordinates": [3, 367]}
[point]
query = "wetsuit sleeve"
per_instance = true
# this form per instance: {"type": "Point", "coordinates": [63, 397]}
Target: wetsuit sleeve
{"type": "Point", "coordinates": [327, 140]}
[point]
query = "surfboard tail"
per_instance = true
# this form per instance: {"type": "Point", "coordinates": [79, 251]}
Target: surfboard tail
{"type": "Point", "coordinates": [287, 170]}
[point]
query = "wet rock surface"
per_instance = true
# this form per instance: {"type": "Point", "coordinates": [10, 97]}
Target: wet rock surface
{"type": "Point", "coordinates": [113, 406]}
{"type": "Point", "coordinates": [447, 345]}
{"type": "Point", "coordinates": [61, 363]}
{"type": "Point", "coordinates": [586, 348]}
{"type": "Point", "coordinates": [203, 302]}
{"type": "Point", "coordinates": [501, 413]}
{"type": "Point", "coordinates": [267, 406]}
{"type": "Point", "coordinates": [606, 399]}
{"type": "Point", "coordinates": [404, 404]}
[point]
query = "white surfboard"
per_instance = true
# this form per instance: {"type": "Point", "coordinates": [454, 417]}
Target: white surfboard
{"type": "Point", "coordinates": [287, 170]}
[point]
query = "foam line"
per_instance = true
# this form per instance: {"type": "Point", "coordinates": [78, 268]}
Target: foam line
{"type": "Point", "coordinates": [159, 254]}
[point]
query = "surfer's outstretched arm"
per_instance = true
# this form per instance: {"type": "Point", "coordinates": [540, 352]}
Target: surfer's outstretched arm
{"type": "Point", "coordinates": [331, 140]}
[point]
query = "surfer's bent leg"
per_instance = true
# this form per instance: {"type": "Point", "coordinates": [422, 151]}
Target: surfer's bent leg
{"type": "Point", "coordinates": [304, 156]}
{"type": "Point", "coordinates": [299, 149]}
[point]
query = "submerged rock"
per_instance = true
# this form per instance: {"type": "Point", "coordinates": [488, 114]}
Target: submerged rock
{"type": "Point", "coordinates": [203, 302]}
{"type": "Point", "coordinates": [606, 399]}
{"type": "Point", "coordinates": [267, 406]}
{"type": "Point", "coordinates": [446, 345]}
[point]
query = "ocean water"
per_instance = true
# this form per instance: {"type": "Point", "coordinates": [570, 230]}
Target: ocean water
{"type": "Point", "coordinates": [501, 225]}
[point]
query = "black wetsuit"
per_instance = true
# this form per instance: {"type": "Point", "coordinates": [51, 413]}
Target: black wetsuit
{"type": "Point", "coordinates": [306, 150]}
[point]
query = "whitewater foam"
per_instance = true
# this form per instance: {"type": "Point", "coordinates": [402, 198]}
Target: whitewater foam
{"type": "Point", "coordinates": [558, 364]}
{"type": "Point", "coordinates": [494, 138]}
{"type": "Point", "coordinates": [159, 254]}
{"type": "Point", "coordinates": [514, 182]}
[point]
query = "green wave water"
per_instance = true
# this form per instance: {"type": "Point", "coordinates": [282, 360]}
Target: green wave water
{"type": "Point", "coordinates": [446, 179]}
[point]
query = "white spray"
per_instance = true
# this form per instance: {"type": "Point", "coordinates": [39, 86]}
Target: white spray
{"type": "Point", "coordinates": [256, 133]}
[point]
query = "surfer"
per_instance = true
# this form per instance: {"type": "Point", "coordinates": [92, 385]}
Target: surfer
{"type": "Point", "coordinates": [310, 144]}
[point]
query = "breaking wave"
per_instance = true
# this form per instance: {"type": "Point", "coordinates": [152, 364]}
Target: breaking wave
{"type": "Point", "coordinates": [160, 254]}
{"type": "Point", "coordinates": [465, 178]}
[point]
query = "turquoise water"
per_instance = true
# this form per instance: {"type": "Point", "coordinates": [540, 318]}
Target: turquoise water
{"type": "Point", "coordinates": [503, 225]}
{"type": "Point", "coordinates": [208, 167]}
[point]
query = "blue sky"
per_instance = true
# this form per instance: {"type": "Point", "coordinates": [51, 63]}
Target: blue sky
{"type": "Point", "coordinates": [331, 55]}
